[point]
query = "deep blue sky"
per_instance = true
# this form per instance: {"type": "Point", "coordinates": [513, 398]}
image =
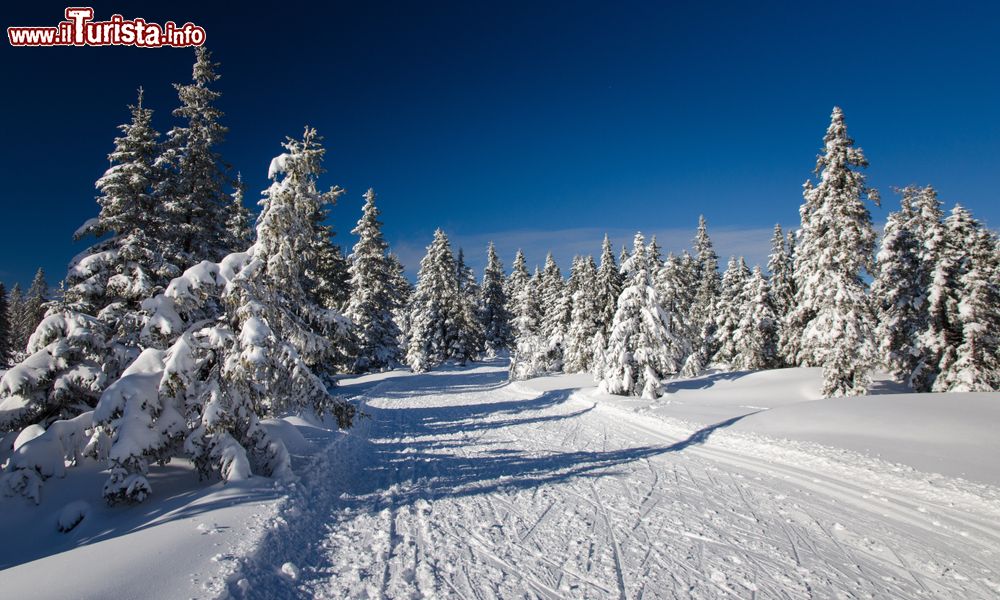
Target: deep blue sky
{"type": "Point", "coordinates": [539, 124]}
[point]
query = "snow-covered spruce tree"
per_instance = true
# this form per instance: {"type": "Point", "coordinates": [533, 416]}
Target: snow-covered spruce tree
{"type": "Point", "coordinates": [728, 311]}
{"type": "Point", "coordinates": [976, 366]}
{"type": "Point", "coordinates": [402, 291]}
{"type": "Point", "coordinates": [494, 314]}
{"type": "Point", "coordinates": [676, 294]}
{"type": "Point", "coordinates": [557, 312]}
{"type": "Point", "coordinates": [927, 225]}
{"type": "Point", "coordinates": [238, 221]}
{"type": "Point", "coordinates": [641, 349]}
{"type": "Point", "coordinates": [89, 337]}
{"type": "Point", "coordinates": [608, 287]}
{"type": "Point", "coordinates": [204, 396]}
{"type": "Point", "coordinates": [705, 298]}
{"type": "Point", "coordinates": [191, 190]}
{"type": "Point", "coordinates": [435, 309]}
{"type": "Point", "coordinates": [585, 322]}
{"type": "Point", "coordinates": [471, 336]}
{"type": "Point", "coordinates": [518, 279]}
{"type": "Point", "coordinates": [781, 284]}
{"type": "Point", "coordinates": [959, 298]}
{"type": "Point", "coordinates": [15, 311]}
{"type": "Point", "coordinates": [532, 354]}
{"type": "Point", "coordinates": [327, 278]}
{"type": "Point", "coordinates": [373, 294]}
{"type": "Point", "coordinates": [899, 293]}
{"type": "Point", "coordinates": [35, 301]}
{"type": "Point", "coordinates": [655, 254]}
{"type": "Point", "coordinates": [944, 331]}
{"type": "Point", "coordinates": [5, 349]}
{"type": "Point", "coordinates": [836, 246]}
{"type": "Point", "coordinates": [756, 335]}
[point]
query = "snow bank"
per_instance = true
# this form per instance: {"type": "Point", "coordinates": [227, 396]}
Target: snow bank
{"type": "Point", "coordinates": [953, 434]}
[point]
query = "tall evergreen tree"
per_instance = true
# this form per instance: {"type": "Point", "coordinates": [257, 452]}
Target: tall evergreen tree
{"type": "Point", "coordinates": [5, 337]}
{"type": "Point", "coordinates": [191, 190]}
{"type": "Point", "coordinates": [781, 285]}
{"type": "Point", "coordinates": [555, 302]}
{"type": "Point", "coordinates": [728, 311]}
{"type": "Point", "coordinates": [93, 332]}
{"type": "Point", "coordinates": [15, 316]}
{"type": "Point", "coordinates": [585, 321]}
{"type": "Point", "coordinates": [205, 395]}
{"type": "Point", "coordinates": [756, 335]}
{"type": "Point", "coordinates": [471, 336]}
{"type": "Point", "coordinates": [435, 310]}
{"type": "Point", "coordinates": [372, 294]}
{"type": "Point", "coordinates": [609, 287]}
{"type": "Point", "coordinates": [641, 349]}
{"type": "Point", "coordinates": [900, 293]}
{"type": "Point", "coordinates": [494, 314]}
{"type": "Point", "coordinates": [976, 364]}
{"type": "Point", "coordinates": [927, 225]}
{"type": "Point", "coordinates": [836, 247]}
{"type": "Point", "coordinates": [705, 299]}
{"type": "Point", "coordinates": [35, 302]}
{"type": "Point", "coordinates": [676, 295]}
{"type": "Point", "coordinates": [238, 224]}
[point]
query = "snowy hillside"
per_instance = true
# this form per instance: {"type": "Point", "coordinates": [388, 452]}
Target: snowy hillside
{"type": "Point", "coordinates": [459, 484]}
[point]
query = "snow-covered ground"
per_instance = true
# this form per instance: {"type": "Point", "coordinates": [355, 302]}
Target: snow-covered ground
{"type": "Point", "coordinates": [461, 485]}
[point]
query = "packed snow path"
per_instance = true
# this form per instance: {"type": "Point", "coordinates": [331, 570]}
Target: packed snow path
{"type": "Point", "coordinates": [460, 485]}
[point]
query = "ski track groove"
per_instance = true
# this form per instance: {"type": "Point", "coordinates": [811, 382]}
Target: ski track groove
{"type": "Point", "coordinates": [459, 486]}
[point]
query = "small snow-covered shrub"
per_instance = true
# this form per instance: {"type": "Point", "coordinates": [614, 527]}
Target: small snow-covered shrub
{"type": "Point", "coordinates": [72, 515]}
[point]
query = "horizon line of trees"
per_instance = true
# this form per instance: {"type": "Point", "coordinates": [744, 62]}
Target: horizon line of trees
{"type": "Point", "coordinates": [183, 327]}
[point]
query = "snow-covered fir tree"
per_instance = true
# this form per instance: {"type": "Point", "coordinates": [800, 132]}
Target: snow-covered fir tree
{"type": "Point", "coordinates": [655, 253]}
{"type": "Point", "coordinates": [608, 287]}
{"type": "Point", "coordinates": [976, 364]}
{"type": "Point", "coordinates": [706, 296]}
{"type": "Point", "coordinates": [781, 283]}
{"type": "Point", "coordinates": [33, 308]}
{"type": "Point", "coordinates": [402, 292]}
{"type": "Point", "coordinates": [373, 294]}
{"type": "Point", "coordinates": [927, 225]}
{"type": "Point", "coordinates": [15, 311]}
{"type": "Point", "coordinates": [728, 311]}
{"type": "Point", "coordinates": [676, 294]}
{"type": "Point", "coordinates": [585, 322]}
{"type": "Point", "coordinates": [471, 335]}
{"type": "Point", "coordinates": [899, 293]}
{"type": "Point", "coordinates": [5, 349]}
{"type": "Point", "coordinates": [960, 315]}
{"type": "Point", "coordinates": [436, 310]}
{"type": "Point", "coordinates": [835, 248]}
{"type": "Point", "coordinates": [518, 279]}
{"type": "Point", "coordinates": [90, 336]}
{"type": "Point", "coordinates": [238, 221]}
{"type": "Point", "coordinates": [494, 314]}
{"type": "Point", "coordinates": [533, 354]}
{"type": "Point", "coordinates": [191, 190]}
{"type": "Point", "coordinates": [756, 335]}
{"type": "Point", "coordinates": [556, 311]}
{"type": "Point", "coordinates": [203, 397]}
{"type": "Point", "coordinates": [641, 349]}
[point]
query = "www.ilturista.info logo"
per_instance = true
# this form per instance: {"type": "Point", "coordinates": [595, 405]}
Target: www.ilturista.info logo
{"type": "Point", "coordinates": [80, 29]}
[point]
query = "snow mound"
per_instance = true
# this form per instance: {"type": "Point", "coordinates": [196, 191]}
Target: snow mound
{"type": "Point", "coordinates": [72, 515]}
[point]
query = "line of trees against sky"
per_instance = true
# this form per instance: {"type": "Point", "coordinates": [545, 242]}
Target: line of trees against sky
{"type": "Point", "coordinates": [183, 327]}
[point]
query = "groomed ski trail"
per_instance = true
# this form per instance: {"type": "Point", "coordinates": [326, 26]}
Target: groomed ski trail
{"type": "Point", "coordinates": [461, 485]}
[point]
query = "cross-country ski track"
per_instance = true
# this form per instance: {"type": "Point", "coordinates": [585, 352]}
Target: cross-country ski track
{"type": "Point", "coordinates": [459, 484]}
